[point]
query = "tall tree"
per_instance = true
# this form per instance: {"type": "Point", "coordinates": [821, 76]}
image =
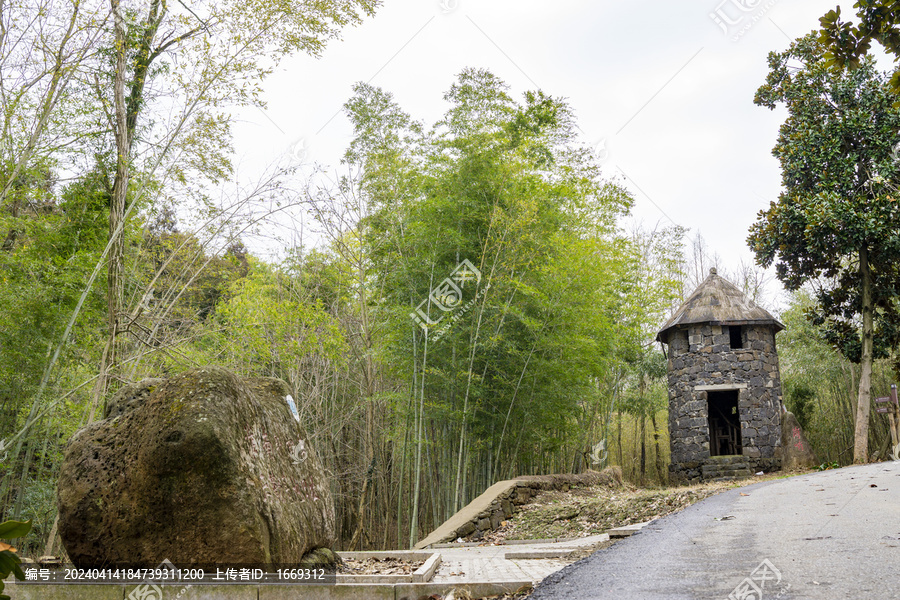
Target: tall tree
{"type": "Point", "coordinates": [847, 43]}
{"type": "Point", "coordinates": [834, 224]}
{"type": "Point", "coordinates": [44, 47]}
{"type": "Point", "coordinates": [217, 54]}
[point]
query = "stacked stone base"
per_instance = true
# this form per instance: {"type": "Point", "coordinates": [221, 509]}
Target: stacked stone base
{"type": "Point", "coordinates": [725, 468]}
{"type": "Point", "coordinates": [720, 468]}
{"type": "Point", "coordinates": [520, 493]}
{"type": "Point", "coordinates": [488, 511]}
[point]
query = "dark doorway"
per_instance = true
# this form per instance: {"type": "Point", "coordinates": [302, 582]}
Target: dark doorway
{"type": "Point", "coordinates": [735, 337]}
{"type": "Point", "coordinates": [724, 423]}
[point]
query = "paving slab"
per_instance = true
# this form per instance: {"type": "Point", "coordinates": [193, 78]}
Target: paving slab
{"type": "Point", "coordinates": [474, 589]}
{"type": "Point", "coordinates": [196, 592]}
{"type": "Point", "coordinates": [350, 591]}
{"type": "Point", "coordinates": [508, 563]}
{"type": "Point", "coordinates": [63, 592]}
{"type": "Point", "coordinates": [627, 530]}
{"type": "Point", "coordinates": [539, 554]}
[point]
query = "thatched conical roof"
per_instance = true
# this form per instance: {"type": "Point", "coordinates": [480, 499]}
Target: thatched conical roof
{"type": "Point", "coordinates": [718, 302]}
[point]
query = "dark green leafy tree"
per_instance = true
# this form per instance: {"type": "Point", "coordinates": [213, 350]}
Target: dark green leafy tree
{"type": "Point", "coordinates": [834, 225]}
{"type": "Point", "coordinates": [847, 43]}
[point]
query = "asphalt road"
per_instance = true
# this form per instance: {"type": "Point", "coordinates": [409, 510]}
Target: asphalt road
{"type": "Point", "coordinates": [829, 535]}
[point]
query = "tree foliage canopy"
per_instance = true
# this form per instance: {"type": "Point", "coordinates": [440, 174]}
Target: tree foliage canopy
{"type": "Point", "coordinates": [846, 43]}
{"type": "Point", "coordinates": [834, 225]}
{"type": "Point", "coordinates": [839, 167]}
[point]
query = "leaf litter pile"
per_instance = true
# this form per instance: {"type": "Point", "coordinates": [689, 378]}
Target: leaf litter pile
{"type": "Point", "coordinates": [585, 511]}
{"type": "Point", "coordinates": [379, 566]}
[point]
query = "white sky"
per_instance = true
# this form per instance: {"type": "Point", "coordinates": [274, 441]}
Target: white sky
{"type": "Point", "coordinates": [660, 81]}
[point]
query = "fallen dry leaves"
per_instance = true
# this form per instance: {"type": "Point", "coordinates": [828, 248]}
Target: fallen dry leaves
{"type": "Point", "coordinates": [379, 566]}
{"type": "Point", "coordinates": [586, 511]}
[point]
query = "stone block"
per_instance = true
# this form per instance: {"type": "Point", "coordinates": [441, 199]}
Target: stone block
{"type": "Point", "coordinates": [202, 470]}
{"type": "Point", "coordinates": [63, 592]}
{"type": "Point", "coordinates": [465, 529]}
{"type": "Point", "coordinates": [320, 592]}
{"type": "Point", "coordinates": [223, 592]}
{"type": "Point", "coordinates": [693, 406]}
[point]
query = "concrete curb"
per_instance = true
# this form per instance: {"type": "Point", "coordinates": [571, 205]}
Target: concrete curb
{"type": "Point", "coordinates": [349, 591]}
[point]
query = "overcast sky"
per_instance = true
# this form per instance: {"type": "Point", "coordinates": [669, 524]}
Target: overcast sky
{"type": "Point", "coordinates": [664, 88]}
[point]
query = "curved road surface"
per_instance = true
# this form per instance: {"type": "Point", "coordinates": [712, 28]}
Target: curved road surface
{"type": "Point", "coordinates": [830, 535]}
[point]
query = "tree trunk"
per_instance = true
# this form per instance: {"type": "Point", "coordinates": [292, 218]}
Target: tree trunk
{"type": "Point", "coordinates": [116, 261]}
{"type": "Point", "coordinates": [861, 442]}
{"type": "Point", "coordinates": [361, 508]}
{"type": "Point", "coordinates": [637, 449]}
{"type": "Point", "coordinates": [619, 436]}
{"type": "Point", "coordinates": [417, 475]}
{"type": "Point", "coordinates": [643, 448]}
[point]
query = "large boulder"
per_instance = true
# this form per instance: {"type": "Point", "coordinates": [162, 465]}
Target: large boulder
{"type": "Point", "coordinates": [203, 468]}
{"type": "Point", "coordinates": [796, 451]}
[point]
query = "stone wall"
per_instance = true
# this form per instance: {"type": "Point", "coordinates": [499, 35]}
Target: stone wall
{"type": "Point", "coordinates": [701, 360]}
{"type": "Point", "coordinates": [500, 501]}
{"type": "Point", "coordinates": [498, 511]}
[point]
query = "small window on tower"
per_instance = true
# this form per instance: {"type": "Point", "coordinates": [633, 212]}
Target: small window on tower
{"type": "Point", "coordinates": [734, 333]}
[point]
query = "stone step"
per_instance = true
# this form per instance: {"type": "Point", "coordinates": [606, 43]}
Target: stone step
{"type": "Point", "coordinates": [724, 469]}
{"type": "Point", "coordinates": [727, 459]}
{"type": "Point", "coordinates": [627, 530]}
{"type": "Point", "coordinates": [738, 473]}
{"type": "Point", "coordinates": [730, 476]}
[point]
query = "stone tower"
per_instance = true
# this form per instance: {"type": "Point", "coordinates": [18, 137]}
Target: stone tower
{"type": "Point", "coordinates": [724, 386]}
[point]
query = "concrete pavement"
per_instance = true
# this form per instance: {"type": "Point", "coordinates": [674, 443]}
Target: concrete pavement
{"type": "Point", "coordinates": [525, 563]}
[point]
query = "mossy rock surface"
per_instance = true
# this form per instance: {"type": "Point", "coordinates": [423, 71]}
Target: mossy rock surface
{"type": "Point", "coordinates": [200, 469]}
